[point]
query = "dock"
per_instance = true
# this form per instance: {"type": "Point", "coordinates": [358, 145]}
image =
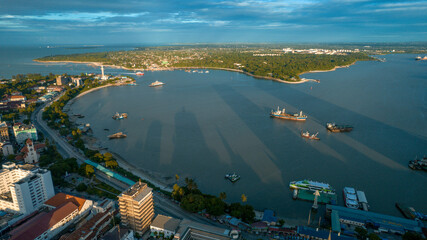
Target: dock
{"type": "Point", "coordinates": [307, 195]}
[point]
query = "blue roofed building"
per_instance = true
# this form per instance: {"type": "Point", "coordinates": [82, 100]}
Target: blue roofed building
{"type": "Point", "coordinates": [341, 217]}
{"type": "Point", "coordinates": [269, 217]}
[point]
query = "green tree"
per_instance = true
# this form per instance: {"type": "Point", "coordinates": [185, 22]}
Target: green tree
{"type": "Point", "coordinates": [361, 233]}
{"type": "Point", "coordinates": [222, 196]}
{"type": "Point", "coordinates": [81, 187]}
{"type": "Point", "coordinates": [281, 222]}
{"type": "Point", "coordinates": [412, 236]}
{"type": "Point", "coordinates": [373, 236]}
{"type": "Point", "coordinates": [176, 177]}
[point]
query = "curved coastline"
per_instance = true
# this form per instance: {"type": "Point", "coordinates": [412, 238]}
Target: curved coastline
{"type": "Point", "coordinates": [98, 64]}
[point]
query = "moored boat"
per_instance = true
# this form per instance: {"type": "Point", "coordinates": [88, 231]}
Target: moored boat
{"type": "Point", "coordinates": [139, 73]}
{"type": "Point", "coordinates": [120, 116]}
{"type": "Point", "coordinates": [283, 115]}
{"type": "Point", "coordinates": [338, 128]}
{"type": "Point", "coordinates": [156, 84]}
{"type": "Point", "coordinates": [350, 198]}
{"type": "Point", "coordinates": [312, 186]}
{"type": "Point", "coordinates": [232, 177]}
{"type": "Point", "coordinates": [117, 135]}
{"type": "Point", "coordinates": [307, 135]}
{"type": "Point", "coordinates": [418, 164]}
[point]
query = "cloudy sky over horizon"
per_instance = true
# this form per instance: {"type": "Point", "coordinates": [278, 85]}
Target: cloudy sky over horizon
{"type": "Point", "coordinates": [169, 21]}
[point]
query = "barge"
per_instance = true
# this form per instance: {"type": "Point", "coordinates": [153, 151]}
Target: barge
{"type": "Point", "coordinates": [332, 127]}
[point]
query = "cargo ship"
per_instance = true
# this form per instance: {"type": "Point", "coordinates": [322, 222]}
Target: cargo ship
{"type": "Point", "coordinates": [350, 198]}
{"type": "Point", "coordinates": [117, 135]}
{"type": "Point", "coordinates": [338, 128]}
{"type": "Point", "coordinates": [307, 135]}
{"type": "Point", "coordinates": [156, 84]}
{"type": "Point", "coordinates": [418, 164]}
{"type": "Point", "coordinates": [283, 115]}
{"type": "Point", "coordinates": [312, 186]}
{"type": "Point", "coordinates": [118, 116]}
{"type": "Point", "coordinates": [232, 177]}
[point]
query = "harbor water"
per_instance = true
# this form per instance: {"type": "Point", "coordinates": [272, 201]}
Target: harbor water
{"type": "Point", "coordinates": [204, 126]}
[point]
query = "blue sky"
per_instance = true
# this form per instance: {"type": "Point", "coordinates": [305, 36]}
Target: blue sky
{"type": "Point", "coordinates": [189, 21]}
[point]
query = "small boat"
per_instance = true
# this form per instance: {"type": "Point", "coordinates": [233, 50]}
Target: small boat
{"type": "Point", "coordinates": [283, 115]}
{"type": "Point", "coordinates": [338, 128]}
{"type": "Point", "coordinates": [106, 129]}
{"type": "Point", "coordinates": [132, 84]}
{"type": "Point", "coordinates": [117, 135]}
{"type": "Point", "coordinates": [418, 164]}
{"type": "Point", "coordinates": [232, 177]}
{"type": "Point", "coordinates": [206, 71]}
{"type": "Point", "coordinates": [139, 73]}
{"type": "Point", "coordinates": [421, 58]}
{"type": "Point", "coordinates": [156, 84]}
{"type": "Point", "coordinates": [307, 135]}
{"type": "Point", "coordinates": [119, 116]}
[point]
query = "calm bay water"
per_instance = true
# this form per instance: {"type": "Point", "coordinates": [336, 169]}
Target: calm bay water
{"type": "Point", "coordinates": [206, 125]}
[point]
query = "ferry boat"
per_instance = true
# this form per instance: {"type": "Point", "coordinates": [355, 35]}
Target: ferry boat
{"type": "Point", "coordinates": [117, 135]}
{"type": "Point", "coordinates": [156, 84]}
{"type": "Point", "coordinates": [119, 116]}
{"type": "Point", "coordinates": [139, 73]}
{"type": "Point", "coordinates": [232, 177]}
{"type": "Point", "coordinates": [307, 135]}
{"type": "Point", "coordinates": [312, 186]}
{"type": "Point", "coordinates": [338, 128]}
{"type": "Point", "coordinates": [283, 115]}
{"type": "Point", "coordinates": [350, 198]}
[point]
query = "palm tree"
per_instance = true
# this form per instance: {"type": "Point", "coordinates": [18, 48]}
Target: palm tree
{"type": "Point", "coordinates": [176, 177]}
{"type": "Point", "coordinates": [222, 196]}
{"type": "Point", "coordinates": [244, 198]}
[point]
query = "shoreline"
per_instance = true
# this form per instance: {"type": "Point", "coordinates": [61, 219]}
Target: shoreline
{"type": "Point", "coordinates": [330, 70]}
{"type": "Point", "coordinates": [93, 143]}
{"type": "Point", "coordinates": [98, 64]}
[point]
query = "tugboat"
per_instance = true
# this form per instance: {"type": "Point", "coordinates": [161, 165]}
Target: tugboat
{"type": "Point", "coordinates": [117, 135]}
{"type": "Point", "coordinates": [312, 136]}
{"type": "Point", "coordinates": [418, 164]}
{"type": "Point", "coordinates": [283, 115]}
{"type": "Point", "coordinates": [338, 128]}
{"type": "Point", "coordinates": [119, 116]}
{"type": "Point", "coordinates": [156, 84]}
{"type": "Point", "coordinates": [232, 177]}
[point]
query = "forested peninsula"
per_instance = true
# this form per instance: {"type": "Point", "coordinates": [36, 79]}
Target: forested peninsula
{"type": "Point", "coordinates": [265, 62]}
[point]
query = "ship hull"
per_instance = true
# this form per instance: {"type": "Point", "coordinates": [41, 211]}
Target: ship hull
{"type": "Point", "coordinates": [292, 118]}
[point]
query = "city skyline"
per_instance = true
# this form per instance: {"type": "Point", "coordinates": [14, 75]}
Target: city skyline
{"type": "Point", "coordinates": [89, 22]}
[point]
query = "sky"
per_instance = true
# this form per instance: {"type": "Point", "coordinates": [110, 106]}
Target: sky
{"type": "Point", "coordinates": [48, 22]}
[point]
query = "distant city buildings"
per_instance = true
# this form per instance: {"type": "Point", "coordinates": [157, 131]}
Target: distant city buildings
{"type": "Point", "coordinates": [22, 132]}
{"type": "Point", "coordinates": [136, 207]}
{"type": "Point", "coordinates": [77, 81]}
{"type": "Point", "coordinates": [62, 80]}
{"type": "Point", "coordinates": [22, 190]}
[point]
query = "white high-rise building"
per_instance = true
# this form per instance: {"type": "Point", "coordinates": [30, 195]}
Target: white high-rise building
{"type": "Point", "coordinates": [24, 191]}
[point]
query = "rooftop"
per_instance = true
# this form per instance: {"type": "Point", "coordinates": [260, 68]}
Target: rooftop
{"type": "Point", "coordinates": [62, 198]}
{"type": "Point", "coordinates": [88, 227]}
{"type": "Point", "coordinates": [166, 222]}
{"type": "Point", "coordinates": [42, 222]}
{"type": "Point", "coordinates": [113, 234]}
{"type": "Point", "coordinates": [138, 191]}
{"type": "Point", "coordinates": [190, 227]}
